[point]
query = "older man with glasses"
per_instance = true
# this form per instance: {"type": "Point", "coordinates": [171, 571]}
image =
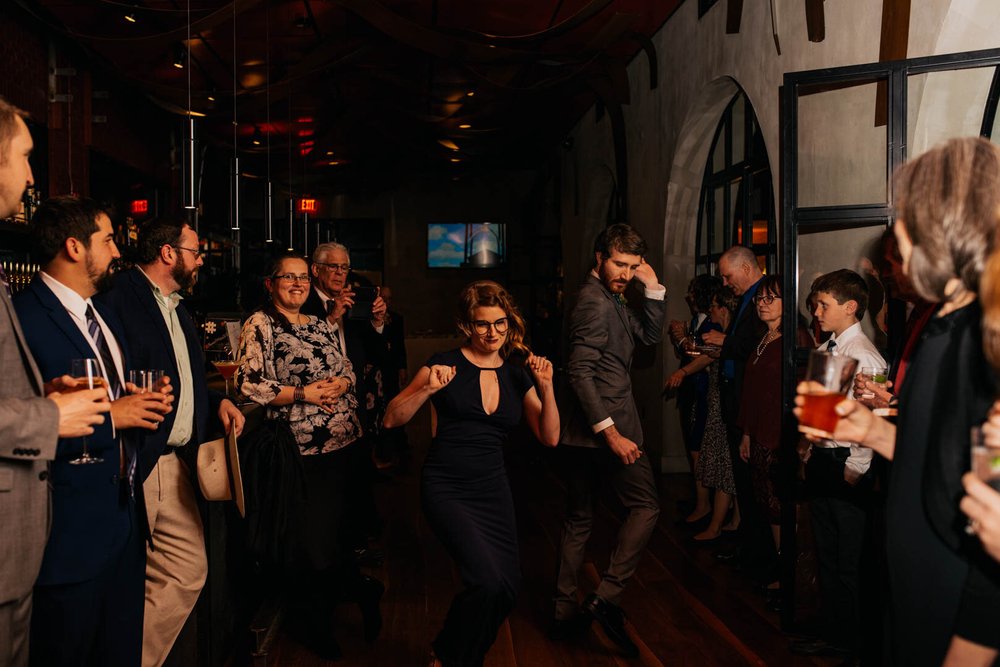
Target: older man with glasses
{"type": "Point", "coordinates": [363, 340]}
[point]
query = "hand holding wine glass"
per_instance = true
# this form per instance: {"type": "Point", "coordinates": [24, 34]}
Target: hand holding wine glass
{"type": "Point", "coordinates": [86, 374]}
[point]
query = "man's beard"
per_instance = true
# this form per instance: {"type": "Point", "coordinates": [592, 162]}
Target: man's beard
{"type": "Point", "coordinates": [101, 281]}
{"type": "Point", "coordinates": [184, 278]}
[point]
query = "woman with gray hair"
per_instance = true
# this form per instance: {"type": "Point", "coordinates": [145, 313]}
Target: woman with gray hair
{"type": "Point", "coordinates": [945, 592]}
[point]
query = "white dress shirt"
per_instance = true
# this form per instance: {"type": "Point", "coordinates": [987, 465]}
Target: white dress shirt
{"type": "Point", "coordinates": [854, 343]}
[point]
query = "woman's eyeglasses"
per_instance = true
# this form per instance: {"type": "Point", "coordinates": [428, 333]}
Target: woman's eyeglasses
{"type": "Point", "coordinates": [766, 299]}
{"type": "Point", "coordinates": [293, 277]}
{"type": "Point", "coordinates": [482, 327]}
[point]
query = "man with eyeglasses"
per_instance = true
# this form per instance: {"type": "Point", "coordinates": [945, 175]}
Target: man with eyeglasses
{"type": "Point", "coordinates": [364, 343]}
{"type": "Point", "coordinates": [162, 336]}
{"type": "Point", "coordinates": [602, 432]}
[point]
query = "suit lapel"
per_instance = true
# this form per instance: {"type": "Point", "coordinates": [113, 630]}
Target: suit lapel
{"type": "Point", "coordinates": [61, 318]}
{"type": "Point", "coordinates": [144, 295]}
{"type": "Point", "coordinates": [22, 344]}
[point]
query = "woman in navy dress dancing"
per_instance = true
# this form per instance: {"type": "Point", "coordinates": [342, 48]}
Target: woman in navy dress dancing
{"type": "Point", "coordinates": [478, 393]}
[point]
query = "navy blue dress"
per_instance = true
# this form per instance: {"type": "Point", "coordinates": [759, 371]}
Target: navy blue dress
{"type": "Point", "coordinates": [466, 499]}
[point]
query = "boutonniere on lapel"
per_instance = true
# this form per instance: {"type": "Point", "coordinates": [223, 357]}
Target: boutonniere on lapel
{"type": "Point", "coordinates": [620, 298]}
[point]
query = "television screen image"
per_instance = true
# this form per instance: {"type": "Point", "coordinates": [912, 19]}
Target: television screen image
{"type": "Point", "coordinates": [477, 245]}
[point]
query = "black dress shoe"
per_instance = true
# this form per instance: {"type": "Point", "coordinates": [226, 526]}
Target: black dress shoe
{"type": "Point", "coordinates": [729, 555]}
{"type": "Point", "coordinates": [566, 629]}
{"type": "Point", "coordinates": [612, 621]}
{"type": "Point", "coordinates": [818, 647]}
{"type": "Point", "coordinates": [369, 601]}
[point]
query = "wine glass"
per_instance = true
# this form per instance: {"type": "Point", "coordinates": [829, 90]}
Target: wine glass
{"type": "Point", "coordinates": [87, 373]}
{"type": "Point", "coordinates": [225, 359]}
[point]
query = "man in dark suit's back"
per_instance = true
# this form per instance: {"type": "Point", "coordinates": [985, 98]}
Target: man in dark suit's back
{"type": "Point", "coordinates": [602, 434]}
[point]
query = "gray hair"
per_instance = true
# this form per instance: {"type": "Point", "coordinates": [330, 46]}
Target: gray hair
{"type": "Point", "coordinates": [324, 249]}
{"type": "Point", "coordinates": [739, 254]}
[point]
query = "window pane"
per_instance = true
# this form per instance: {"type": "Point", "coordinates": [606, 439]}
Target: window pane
{"type": "Point", "coordinates": [858, 249]}
{"type": "Point", "coordinates": [719, 221]}
{"type": "Point", "coordinates": [942, 105]}
{"type": "Point", "coordinates": [739, 121]}
{"type": "Point", "coordinates": [736, 206]}
{"type": "Point", "coordinates": [719, 152]}
{"type": "Point", "coordinates": [841, 151]}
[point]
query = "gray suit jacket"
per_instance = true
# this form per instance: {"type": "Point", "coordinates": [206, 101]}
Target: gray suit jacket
{"type": "Point", "coordinates": [29, 431]}
{"type": "Point", "coordinates": [602, 338]}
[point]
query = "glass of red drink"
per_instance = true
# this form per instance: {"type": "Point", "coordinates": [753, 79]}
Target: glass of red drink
{"type": "Point", "coordinates": [828, 377]}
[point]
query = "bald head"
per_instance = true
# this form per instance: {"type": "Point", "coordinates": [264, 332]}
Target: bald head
{"type": "Point", "coordinates": [739, 269]}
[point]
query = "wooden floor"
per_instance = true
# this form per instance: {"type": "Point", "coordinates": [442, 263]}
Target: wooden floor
{"type": "Point", "coordinates": [684, 607]}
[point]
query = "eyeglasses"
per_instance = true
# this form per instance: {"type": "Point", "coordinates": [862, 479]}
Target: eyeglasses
{"type": "Point", "coordinates": [340, 268]}
{"type": "Point", "coordinates": [194, 251]}
{"type": "Point", "coordinates": [482, 327]}
{"type": "Point", "coordinates": [766, 299]}
{"type": "Point", "coordinates": [293, 277]}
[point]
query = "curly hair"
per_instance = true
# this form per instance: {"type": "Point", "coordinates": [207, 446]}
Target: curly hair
{"type": "Point", "coordinates": [701, 288]}
{"type": "Point", "coordinates": [726, 298]}
{"type": "Point", "coordinates": [488, 294]}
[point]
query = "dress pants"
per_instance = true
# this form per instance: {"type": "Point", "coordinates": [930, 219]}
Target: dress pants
{"type": "Point", "coordinates": [584, 468]}
{"type": "Point", "coordinates": [97, 623]}
{"type": "Point", "coordinates": [15, 620]}
{"type": "Point", "coordinates": [839, 516]}
{"type": "Point", "coordinates": [176, 566]}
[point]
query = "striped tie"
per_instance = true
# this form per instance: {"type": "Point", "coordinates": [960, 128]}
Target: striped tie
{"type": "Point", "coordinates": [114, 384]}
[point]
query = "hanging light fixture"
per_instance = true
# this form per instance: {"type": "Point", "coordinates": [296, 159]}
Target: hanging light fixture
{"type": "Point", "coordinates": [179, 55]}
{"type": "Point", "coordinates": [235, 224]}
{"type": "Point", "coordinates": [269, 209]}
{"type": "Point", "coordinates": [189, 198]}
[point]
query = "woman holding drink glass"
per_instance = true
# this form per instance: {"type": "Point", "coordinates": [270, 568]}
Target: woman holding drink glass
{"type": "Point", "coordinates": [944, 602]}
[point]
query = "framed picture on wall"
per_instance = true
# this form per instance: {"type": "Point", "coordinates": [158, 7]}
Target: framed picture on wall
{"type": "Point", "coordinates": [466, 245]}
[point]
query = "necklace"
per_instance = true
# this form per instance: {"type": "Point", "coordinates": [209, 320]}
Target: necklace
{"type": "Point", "coordinates": [762, 345]}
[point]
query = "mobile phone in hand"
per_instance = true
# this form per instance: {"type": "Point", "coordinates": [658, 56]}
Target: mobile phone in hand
{"type": "Point", "coordinates": [364, 299]}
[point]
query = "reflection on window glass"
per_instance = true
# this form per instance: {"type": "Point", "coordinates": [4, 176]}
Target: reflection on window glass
{"type": "Point", "coordinates": [841, 151]}
{"type": "Point", "coordinates": [943, 105]}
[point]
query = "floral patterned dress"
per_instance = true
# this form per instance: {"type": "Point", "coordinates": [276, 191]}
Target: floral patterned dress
{"type": "Point", "coordinates": [274, 357]}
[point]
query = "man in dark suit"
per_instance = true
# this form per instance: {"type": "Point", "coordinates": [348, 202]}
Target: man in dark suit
{"type": "Point", "coordinates": [602, 434]}
{"type": "Point", "coordinates": [161, 335]}
{"type": "Point", "coordinates": [393, 449]}
{"type": "Point", "coordinates": [332, 296]}
{"type": "Point", "coordinates": [89, 593]}
{"type": "Point", "coordinates": [740, 272]}
{"type": "Point", "coordinates": [30, 424]}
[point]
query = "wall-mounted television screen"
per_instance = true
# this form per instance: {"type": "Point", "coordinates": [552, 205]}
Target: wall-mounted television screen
{"type": "Point", "coordinates": [473, 245]}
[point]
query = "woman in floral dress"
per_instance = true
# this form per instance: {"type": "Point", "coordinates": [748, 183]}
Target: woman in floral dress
{"type": "Point", "coordinates": [292, 364]}
{"type": "Point", "coordinates": [715, 465]}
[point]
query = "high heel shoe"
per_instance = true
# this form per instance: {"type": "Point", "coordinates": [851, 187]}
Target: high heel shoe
{"type": "Point", "coordinates": [369, 600]}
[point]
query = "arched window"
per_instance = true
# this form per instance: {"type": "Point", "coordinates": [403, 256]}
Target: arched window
{"type": "Point", "coordinates": [737, 197]}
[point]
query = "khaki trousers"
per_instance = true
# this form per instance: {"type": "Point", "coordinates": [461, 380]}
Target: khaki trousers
{"type": "Point", "coordinates": [176, 567]}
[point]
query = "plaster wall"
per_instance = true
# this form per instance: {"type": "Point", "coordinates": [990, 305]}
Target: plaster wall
{"type": "Point", "coordinates": [669, 131]}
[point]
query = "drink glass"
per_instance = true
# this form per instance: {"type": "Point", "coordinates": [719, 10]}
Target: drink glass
{"type": "Point", "coordinates": [875, 374]}
{"type": "Point", "coordinates": [145, 380]}
{"type": "Point", "coordinates": [829, 377]}
{"type": "Point", "coordinates": [226, 362]}
{"type": "Point", "coordinates": [87, 373]}
{"type": "Point", "coordinates": [985, 459]}
{"type": "Point", "coordinates": [985, 463]}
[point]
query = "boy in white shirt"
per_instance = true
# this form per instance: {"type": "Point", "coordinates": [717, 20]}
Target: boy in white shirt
{"type": "Point", "coordinates": [838, 478]}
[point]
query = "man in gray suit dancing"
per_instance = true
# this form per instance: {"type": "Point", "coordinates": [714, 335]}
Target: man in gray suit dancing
{"type": "Point", "coordinates": [30, 424]}
{"type": "Point", "coordinates": [602, 434]}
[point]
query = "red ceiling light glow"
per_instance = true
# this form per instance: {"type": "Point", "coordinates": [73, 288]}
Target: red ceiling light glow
{"type": "Point", "coordinates": [304, 119]}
